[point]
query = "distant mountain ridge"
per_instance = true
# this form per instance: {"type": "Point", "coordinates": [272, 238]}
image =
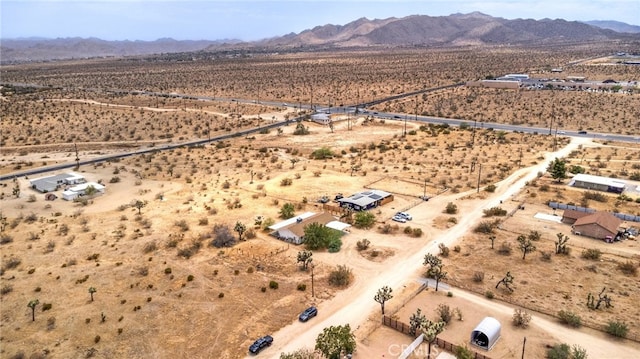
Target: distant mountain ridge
{"type": "Point", "coordinates": [616, 26]}
{"type": "Point", "coordinates": [417, 30]}
{"type": "Point", "coordinates": [42, 49]}
{"type": "Point", "coordinates": [454, 30]}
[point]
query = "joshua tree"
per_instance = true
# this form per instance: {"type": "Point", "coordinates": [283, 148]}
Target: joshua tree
{"type": "Point", "coordinates": [492, 239]}
{"type": "Point", "coordinates": [240, 228]}
{"type": "Point", "coordinates": [602, 298]}
{"type": "Point", "coordinates": [431, 330]}
{"type": "Point", "coordinates": [438, 274]}
{"type": "Point", "coordinates": [91, 291]}
{"type": "Point", "coordinates": [32, 304]}
{"type": "Point", "coordinates": [416, 321]}
{"type": "Point", "coordinates": [525, 245]}
{"type": "Point", "coordinates": [507, 280]}
{"type": "Point", "coordinates": [561, 244]}
{"type": "Point", "coordinates": [139, 205]}
{"type": "Point", "coordinates": [305, 258]}
{"type": "Point", "coordinates": [383, 295]}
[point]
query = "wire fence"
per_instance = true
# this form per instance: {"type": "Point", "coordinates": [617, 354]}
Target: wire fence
{"type": "Point", "coordinates": [441, 343]}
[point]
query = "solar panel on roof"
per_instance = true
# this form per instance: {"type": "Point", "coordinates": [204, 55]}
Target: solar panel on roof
{"type": "Point", "coordinates": [356, 197]}
{"type": "Point", "coordinates": [375, 196]}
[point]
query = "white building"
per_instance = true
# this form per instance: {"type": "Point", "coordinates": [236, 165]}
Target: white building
{"type": "Point", "coordinates": [80, 190]}
{"type": "Point", "coordinates": [52, 183]}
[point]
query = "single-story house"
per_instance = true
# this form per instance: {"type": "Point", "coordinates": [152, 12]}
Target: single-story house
{"type": "Point", "coordinates": [52, 183]}
{"type": "Point", "coordinates": [321, 118]}
{"type": "Point", "coordinates": [366, 200]}
{"type": "Point", "coordinates": [570, 216]}
{"type": "Point", "coordinates": [292, 229]}
{"type": "Point", "coordinates": [80, 190]}
{"type": "Point", "coordinates": [599, 225]}
{"type": "Point", "coordinates": [598, 183]}
{"type": "Point", "coordinates": [486, 333]}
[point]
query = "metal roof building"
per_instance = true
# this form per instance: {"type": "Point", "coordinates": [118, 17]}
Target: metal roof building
{"type": "Point", "coordinates": [599, 183]}
{"type": "Point", "coordinates": [363, 201]}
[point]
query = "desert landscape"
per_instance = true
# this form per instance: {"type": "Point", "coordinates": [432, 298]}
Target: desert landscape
{"type": "Point", "coordinates": [176, 259]}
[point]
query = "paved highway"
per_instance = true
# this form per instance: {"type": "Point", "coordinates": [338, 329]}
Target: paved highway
{"type": "Point", "coordinates": [356, 108]}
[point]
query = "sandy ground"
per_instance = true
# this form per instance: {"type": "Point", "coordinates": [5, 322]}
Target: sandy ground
{"type": "Point", "coordinates": [355, 305]}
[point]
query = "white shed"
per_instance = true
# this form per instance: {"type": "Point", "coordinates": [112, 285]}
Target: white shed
{"type": "Point", "coordinates": [486, 334]}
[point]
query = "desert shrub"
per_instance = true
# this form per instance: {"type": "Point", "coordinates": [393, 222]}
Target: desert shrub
{"type": "Point", "coordinates": [114, 179]}
{"type": "Point", "coordinates": [250, 270]}
{"type": "Point", "coordinates": [322, 153]}
{"type": "Point", "coordinates": [51, 323]}
{"type": "Point", "coordinates": [463, 352]}
{"type": "Point", "coordinates": [544, 188]}
{"type": "Point", "coordinates": [489, 294]}
{"type": "Point", "coordinates": [189, 250]}
{"type": "Point", "coordinates": [444, 250]}
{"type": "Point", "coordinates": [250, 234]}
{"type": "Point", "coordinates": [494, 211]}
{"type": "Point", "coordinates": [617, 329]}
{"type": "Point", "coordinates": [417, 232]}
{"type": "Point", "coordinates": [407, 230]}
{"type": "Point", "coordinates": [570, 318]}
{"type": "Point", "coordinates": [5, 238]}
{"type": "Point", "coordinates": [592, 254]}
{"type": "Point", "coordinates": [363, 244]}
{"type": "Point", "coordinates": [628, 268]}
{"type": "Point", "coordinates": [263, 289]}
{"type": "Point", "coordinates": [301, 129]}
{"type": "Point", "coordinates": [334, 245]}
{"type": "Point", "coordinates": [596, 196]}
{"type": "Point", "coordinates": [273, 284]}
{"type": "Point", "coordinates": [364, 220]}
{"type": "Point", "coordinates": [222, 236]}
{"type": "Point", "coordinates": [444, 313]}
{"type": "Point", "coordinates": [451, 208]}
{"type": "Point", "coordinates": [564, 351]}
{"type": "Point", "coordinates": [286, 182]}
{"type": "Point", "coordinates": [6, 289]}
{"type": "Point", "coordinates": [149, 247]}
{"type": "Point", "coordinates": [521, 318]}
{"type": "Point", "coordinates": [203, 221]}
{"type": "Point", "coordinates": [478, 277]}
{"type": "Point", "coordinates": [341, 276]}
{"type": "Point", "coordinates": [545, 256]}
{"type": "Point", "coordinates": [182, 224]}
{"type": "Point", "coordinates": [221, 295]}
{"type": "Point", "coordinates": [388, 228]}
{"type": "Point", "coordinates": [505, 249]}
{"type": "Point", "coordinates": [485, 227]}
{"type": "Point", "coordinates": [190, 278]}
{"type": "Point", "coordinates": [46, 306]}
{"type": "Point", "coordinates": [457, 248]}
{"type": "Point", "coordinates": [11, 263]}
{"type": "Point", "coordinates": [96, 339]}
{"type": "Point", "coordinates": [490, 188]}
{"type": "Point", "coordinates": [301, 287]}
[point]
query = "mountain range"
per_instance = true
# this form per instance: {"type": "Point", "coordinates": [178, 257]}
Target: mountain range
{"type": "Point", "coordinates": [417, 30]}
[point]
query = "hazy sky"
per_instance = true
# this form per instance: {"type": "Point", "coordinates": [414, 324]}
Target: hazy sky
{"type": "Point", "coordinates": [258, 19]}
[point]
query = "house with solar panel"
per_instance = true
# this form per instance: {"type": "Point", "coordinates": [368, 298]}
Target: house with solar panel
{"type": "Point", "coordinates": [366, 200]}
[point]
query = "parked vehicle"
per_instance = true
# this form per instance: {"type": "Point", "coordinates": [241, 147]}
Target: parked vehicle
{"type": "Point", "coordinates": [582, 132]}
{"type": "Point", "coordinates": [399, 219]}
{"type": "Point", "coordinates": [260, 344]}
{"type": "Point", "coordinates": [308, 314]}
{"type": "Point", "coordinates": [406, 215]}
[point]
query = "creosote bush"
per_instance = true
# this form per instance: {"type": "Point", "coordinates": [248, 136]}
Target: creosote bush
{"type": "Point", "coordinates": [570, 318]}
{"type": "Point", "coordinates": [341, 276]}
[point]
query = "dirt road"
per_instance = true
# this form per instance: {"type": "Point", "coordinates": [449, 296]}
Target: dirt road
{"type": "Point", "coordinates": [355, 305]}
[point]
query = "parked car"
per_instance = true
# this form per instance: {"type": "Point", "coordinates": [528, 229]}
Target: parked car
{"type": "Point", "coordinates": [582, 132]}
{"type": "Point", "coordinates": [308, 314]}
{"type": "Point", "coordinates": [406, 215]}
{"type": "Point", "coordinates": [260, 344]}
{"type": "Point", "coordinates": [399, 219]}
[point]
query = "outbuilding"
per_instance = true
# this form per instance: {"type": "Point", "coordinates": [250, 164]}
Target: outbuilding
{"type": "Point", "coordinates": [292, 229]}
{"type": "Point", "coordinates": [52, 183]}
{"type": "Point", "coordinates": [486, 334]}
{"type": "Point", "coordinates": [598, 183]}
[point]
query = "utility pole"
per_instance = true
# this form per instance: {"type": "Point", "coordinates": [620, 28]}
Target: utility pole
{"type": "Point", "coordinates": [424, 193]}
{"type": "Point", "coordinates": [473, 134]}
{"type": "Point", "coordinates": [404, 133]}
{"type": "Point", "coordinates": [75, 146]}
{"type": "Point", "coordinates": [313, 292]}
{"type": "Point", "coordinates": [479, 172]}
